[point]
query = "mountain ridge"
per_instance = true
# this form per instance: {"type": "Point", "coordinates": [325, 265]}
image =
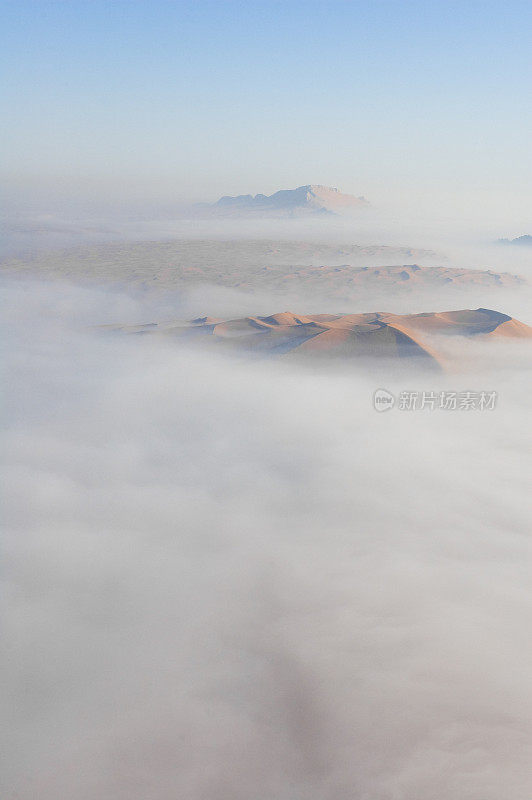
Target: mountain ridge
{"type": "Point", "coordinates": [524, 240]}
{"type": "Point", "coordinates": [307, 199]}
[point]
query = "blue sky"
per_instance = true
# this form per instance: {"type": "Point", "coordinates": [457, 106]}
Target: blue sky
{"type": "Point", "coordinates": [202, 98]}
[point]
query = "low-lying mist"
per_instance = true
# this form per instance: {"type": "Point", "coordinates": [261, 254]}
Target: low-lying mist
{"type": "Point", "coordinates": [460, 235]}
{"type": "Point", "coordinates": [234, 580]}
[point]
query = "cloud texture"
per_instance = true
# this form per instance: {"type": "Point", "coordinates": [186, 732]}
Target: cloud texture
{"type": "Point", "coordinates": [226, 580]}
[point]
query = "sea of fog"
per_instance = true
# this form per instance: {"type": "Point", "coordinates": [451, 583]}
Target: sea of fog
{"type": "Point", "coordinates": [235, 580]}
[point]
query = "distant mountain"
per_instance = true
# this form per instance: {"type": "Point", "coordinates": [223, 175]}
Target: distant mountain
{"type": "Point", "coordinates": [519, 240]}
{"type": "Point", "coordinates": [311, 199]}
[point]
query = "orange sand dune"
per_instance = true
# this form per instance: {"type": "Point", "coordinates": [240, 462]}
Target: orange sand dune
{"type": "Point", "coordinates": [371, 335]}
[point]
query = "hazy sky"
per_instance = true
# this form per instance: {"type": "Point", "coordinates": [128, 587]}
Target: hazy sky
{"type": "Point", "coordinates": [196, 99]}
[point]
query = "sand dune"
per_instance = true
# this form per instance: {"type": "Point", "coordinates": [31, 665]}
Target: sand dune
{"type": "Point", "coordinates": [304, 270]}
{"type": "Point", "coordinates": [170, 264]}
{"type": "Point", "coordinates": [370, 335]}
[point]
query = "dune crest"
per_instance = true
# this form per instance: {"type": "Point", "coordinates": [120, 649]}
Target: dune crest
{"type": "Point", "coordinates": [368, 335]}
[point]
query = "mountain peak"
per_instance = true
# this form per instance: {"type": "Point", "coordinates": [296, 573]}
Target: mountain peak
{"type": "Point", "coordinates": [311, 198]}
{"type": "Point", "coordinates": [526, 240]}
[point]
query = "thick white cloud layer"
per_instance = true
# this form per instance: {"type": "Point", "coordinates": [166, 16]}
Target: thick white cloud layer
{"type": "Point", "coordinates": [227, 580]}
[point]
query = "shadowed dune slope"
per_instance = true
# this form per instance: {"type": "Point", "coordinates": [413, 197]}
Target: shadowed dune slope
{"type": "Point", "coordinates": [371, 335]}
